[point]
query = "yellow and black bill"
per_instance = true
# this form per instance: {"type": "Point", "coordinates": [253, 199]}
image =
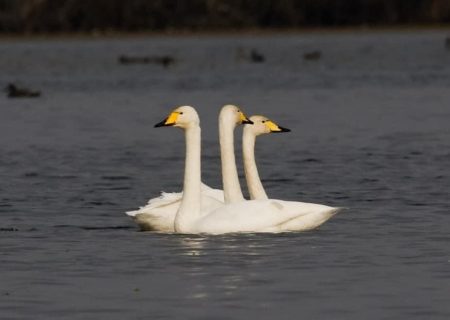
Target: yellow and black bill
{"type": "Point", "coordinates": [244, 119]}
{"type": "Point", "coordinates": [273, 127]}
{"type": "Point", "coordinates": [282, 129]}
{"type": "Point", "coordinates": [169, 121]}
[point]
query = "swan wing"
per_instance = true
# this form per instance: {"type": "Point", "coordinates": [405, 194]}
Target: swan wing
{"type": "Point", "coordinates": [159, 213]}
{"type": "Point", "coordinates": [167, 199]}
{"type": "Point", "coordinates": [257, 216]}
{"type": "Point", "coordinates": [212, 193]}
{"type": "Point", "coordinates": [306, 222]}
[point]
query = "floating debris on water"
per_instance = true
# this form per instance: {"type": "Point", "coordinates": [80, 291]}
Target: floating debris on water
{"type": "Point", "coordinates": [165, 60]}
{"type": "Point", "coordinates": [313, 55]}
{"type": "Point", "coordinates": [31, 174]}
{"type": "Point", "coordinates": [15, 91]}
{"type": "Point", "coordinates": [8, 229]}
{"type": "Point", "coordinates": [256, 56]}
{"type": "Point", "coordinates": [447, 43]}
{"type": "Point", "coordinates": [252, 56]}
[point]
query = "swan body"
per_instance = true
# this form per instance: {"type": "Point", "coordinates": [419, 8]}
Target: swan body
{"type": "Point", "coordinates": [265, 215]}
{"type": "Point", "coordinates": [272, 216]}
{"type": "Point", "coordinates": [159, 213]}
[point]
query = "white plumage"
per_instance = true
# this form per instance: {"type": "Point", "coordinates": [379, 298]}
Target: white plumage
{"type": "Point", "coordinates": [236, 215]}
{"type": "Point", "coordinates": [159, 213]}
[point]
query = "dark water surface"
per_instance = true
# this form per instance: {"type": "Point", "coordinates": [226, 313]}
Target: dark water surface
{"type": "Point", "coordinates": [370, 127]}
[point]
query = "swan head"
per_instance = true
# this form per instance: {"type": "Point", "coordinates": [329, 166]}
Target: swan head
{"type": "Point", "coordinates": [182, 117]}
{"type": "Point", "coordinates": [234, 115]}
{"type": "Point", "coordinates": [263, 125]}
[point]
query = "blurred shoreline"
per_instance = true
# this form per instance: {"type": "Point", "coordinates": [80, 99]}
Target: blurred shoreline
{"type": "Point", "coordinates": [248, 32]}
{"type": "Point", "coordinates": [118, 17]}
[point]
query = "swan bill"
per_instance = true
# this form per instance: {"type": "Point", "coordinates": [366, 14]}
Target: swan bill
{"type": "Point", "coordinates": [281, 129]}
{"type": "Point", "coordinates": [169, 121]}
{"type": "Point", "coordinates": [273, 127]}
{"type": "Point", "coordinates": [244, 119]}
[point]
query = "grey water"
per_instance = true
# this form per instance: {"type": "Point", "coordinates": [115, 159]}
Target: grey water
{"type": "Point", "coordinates": [370, 125]}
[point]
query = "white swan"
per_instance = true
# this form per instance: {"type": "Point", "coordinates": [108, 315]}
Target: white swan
{"type": "Point", "coordinates": [159, 213]}
{"type": "Point", "coordinates": [261, 125]}
{"type": "Point", "coordinates": [237, 216]}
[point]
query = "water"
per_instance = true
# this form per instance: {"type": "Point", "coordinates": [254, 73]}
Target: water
{"type": "Point", "coordinates": [370, 131]}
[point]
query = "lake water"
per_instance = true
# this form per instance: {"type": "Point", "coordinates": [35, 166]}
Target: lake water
{"type": "Point", "coordinates": [370, 125]}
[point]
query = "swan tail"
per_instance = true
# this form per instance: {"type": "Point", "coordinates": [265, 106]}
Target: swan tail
{"type": "Point", "coordinates": [337, 210]}
{"type": "Point", "coordinates": [132, 213]}
{"type": "Point", "coordinates": [164, 199]}
{"type": "Point", "coordinates": [150, 222]}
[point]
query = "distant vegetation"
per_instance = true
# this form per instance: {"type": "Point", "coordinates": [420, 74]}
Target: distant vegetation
{"type": "Point", "coordinates": [34, 16]}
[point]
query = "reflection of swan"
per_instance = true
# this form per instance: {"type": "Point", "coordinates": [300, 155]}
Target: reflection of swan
{"type": "Point", "coordinates": [261, 125]}
{"type": "Point", "coordinates": [192, 246]}
{"type": "Point", "coordinates": [236, 216]}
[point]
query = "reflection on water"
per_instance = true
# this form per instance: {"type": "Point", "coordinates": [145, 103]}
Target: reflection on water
{"type": "Point", "coordinates": [192, 246]}
{"type": "Point", "coordinates": [369, 132]}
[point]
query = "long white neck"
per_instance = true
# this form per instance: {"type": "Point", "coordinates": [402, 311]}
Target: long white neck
{"type": "Point", "coordinates": [190, 206]}
{"type": "Point", "coordinates": [230, 180]}
{"type": "Point", "coordinates": [254, 185]}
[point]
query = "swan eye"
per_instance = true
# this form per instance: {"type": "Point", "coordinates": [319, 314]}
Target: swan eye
{"type": "Point", "coordinates": [180, 113]}
{"type": "Point", "coordinates": [263, 121]}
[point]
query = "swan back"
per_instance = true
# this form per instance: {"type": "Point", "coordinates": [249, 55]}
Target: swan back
{"type": "Point", "coordinates": [264, 216]}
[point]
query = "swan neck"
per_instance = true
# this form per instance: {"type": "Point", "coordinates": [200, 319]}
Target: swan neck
{"type": "Point", "coordinates": [230, 180]}
{"type": "Point", "coordinates": [254, 185]}
{"type": "Point", "coordinates": [189, 210]}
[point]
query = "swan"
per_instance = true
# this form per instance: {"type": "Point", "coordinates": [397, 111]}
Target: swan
{"type": "Point", "coordinates": [236, 215]}
{"type": "Point", "coordinates": [261, 125]}
{"type": "Point", "coordinates": [159, 213]}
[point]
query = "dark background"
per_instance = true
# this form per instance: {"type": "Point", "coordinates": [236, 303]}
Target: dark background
{"type": "Point", "coordinates": [48, 16]}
